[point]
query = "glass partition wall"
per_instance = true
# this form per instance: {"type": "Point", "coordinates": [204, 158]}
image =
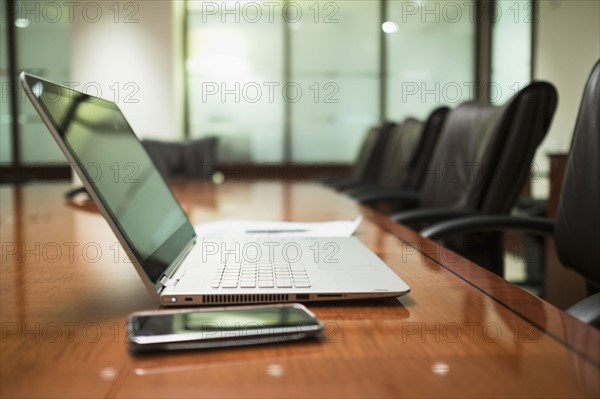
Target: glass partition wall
{"type": "Point", "coordinates": [27, 151]}
{"type": "Point", "coordinates": [335, 62]}
{"type": "Point", "coordinates": [51, 62]}
{"type": "Point", "coordinates": [431, 56]}
{"type": "Point", "coordinates": [290, 81]}
{"type": "Point", "coordinates": [235, 73]}
{"type": "Point", "coordinates": [6, 157]}
{"type": "Point", "coordinates": [302, 81]}
{"type": "Point", "coordinates": [511, 48]}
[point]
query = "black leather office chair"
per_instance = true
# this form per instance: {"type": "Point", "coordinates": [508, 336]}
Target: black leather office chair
{"type": "Point", "coordinates": [194, 159]}
{"type": "Point", "coordinates": [479, 166]}
{"type": "Point", "coordinates": [368, 163]}
{"type": "Point", "coordinates": [398, 144]}
{"type": "Point", "coordinates": [408, 150]}
{"type": "Point", "coordinates": [577, 226]}
{"type": "Point", "coordinates": [481, 159]}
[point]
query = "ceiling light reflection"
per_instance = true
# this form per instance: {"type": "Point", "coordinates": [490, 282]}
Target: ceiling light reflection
{"type": "Point", "coordinates": [21, 22]}
{"type": "Point", "coordinates": [440, 368]}
{"type": "Point", "coordinates": [390, 27]}
{"type": "Point", "coordinates": [275, 370]}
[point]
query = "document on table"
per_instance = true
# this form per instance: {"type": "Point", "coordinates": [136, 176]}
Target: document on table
{"type": "Point", "coordinates": [255, 228]}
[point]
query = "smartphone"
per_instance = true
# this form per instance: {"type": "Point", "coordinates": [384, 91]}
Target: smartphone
{"type": "Point", "coordinates": [220, 327]}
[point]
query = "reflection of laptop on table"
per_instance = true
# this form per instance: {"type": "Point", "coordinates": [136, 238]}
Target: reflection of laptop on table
{"type": "Point", "coordinates": [149, 223]}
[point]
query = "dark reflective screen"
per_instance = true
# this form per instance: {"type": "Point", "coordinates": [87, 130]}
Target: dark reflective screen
{"type": "Point", "coordinates": [121, 173]}
{"type": "Point", "coordinates": [244, 320]}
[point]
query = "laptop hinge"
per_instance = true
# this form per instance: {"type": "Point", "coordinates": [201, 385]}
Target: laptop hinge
{"type": "Point", "coordinates": [168, 282]}
{"type": "Point", "coordinates": [175, 272]}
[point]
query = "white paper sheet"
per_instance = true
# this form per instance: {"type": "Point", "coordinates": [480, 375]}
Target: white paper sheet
{"type": "Point", "coordinates": [254, 228]}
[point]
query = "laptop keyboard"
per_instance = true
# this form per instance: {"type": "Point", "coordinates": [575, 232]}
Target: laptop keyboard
{"type": "Point", "coordinates": [262, 273]}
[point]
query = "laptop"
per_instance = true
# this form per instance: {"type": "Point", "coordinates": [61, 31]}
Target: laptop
{"type": "Point", "coordinates": [173, 262]}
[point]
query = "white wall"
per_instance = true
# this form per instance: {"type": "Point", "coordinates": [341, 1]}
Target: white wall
{"type": "Point", "coordinates": [134, 57]}
{"type": "Point", "coordinates": [568, 45]}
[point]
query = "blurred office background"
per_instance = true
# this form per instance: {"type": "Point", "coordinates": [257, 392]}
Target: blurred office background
{"type": "Point", "coordinates": [288, 81]}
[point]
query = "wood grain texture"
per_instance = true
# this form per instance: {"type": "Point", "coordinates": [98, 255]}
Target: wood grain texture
{"type": "Point", "coordinates": [461, 332]}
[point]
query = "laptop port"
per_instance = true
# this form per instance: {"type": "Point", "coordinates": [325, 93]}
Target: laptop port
{"type": "Point", "coordinates": [302, 297]}
{"type": "Point", "coordinates": [189, 299]}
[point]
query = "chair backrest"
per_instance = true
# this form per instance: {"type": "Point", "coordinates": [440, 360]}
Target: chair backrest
{"type": "Point", "coordinates": [414, 172]}
{"type": "Point", "coordinates": [398, 151]}
{"type": "Point", "coordinates": [366, 148]}
{"type": "Point", "coordinates": [506, 164]}
{"type": "Point", "coordinates": [369, 160]}
{"type": "Point", "coordinates": [484, 152]}
{"type": "Point", "coordinates": [195, 159]}
{"type": "Point", "coordinates": [408, 148]}
{"type": "Point", "coordinates": [577, 230]}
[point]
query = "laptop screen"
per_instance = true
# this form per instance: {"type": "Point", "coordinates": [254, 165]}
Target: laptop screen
{"type": "Point", "coordinates": [120, 172]}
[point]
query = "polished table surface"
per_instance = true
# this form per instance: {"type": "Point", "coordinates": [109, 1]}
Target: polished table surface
{"type": "Point", "coordinates": [66, 291]}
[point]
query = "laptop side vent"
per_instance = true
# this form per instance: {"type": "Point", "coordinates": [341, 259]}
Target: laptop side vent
{"type": "Point", "coordinates": [244, 298]}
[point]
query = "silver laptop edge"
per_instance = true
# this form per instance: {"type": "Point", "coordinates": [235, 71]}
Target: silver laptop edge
{"type": "Point", "coordinates": [154, 289]}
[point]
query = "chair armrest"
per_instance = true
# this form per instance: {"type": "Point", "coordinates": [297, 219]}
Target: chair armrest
{"type": "Point", "coordinates": [587, 310]}
{"type": "Point", "coordinates": [531, 207]}
{"type": "Point", "coordinates": [365, 189]}
{"type": "Point", "coordinates": [540, 226]}
{"type": "Point", "coordinates": [73, 192]}
{"type": "Point", "coordinates": [346, 184]}
{"type": "Point", "coordinates": [431, 215]}
{"type": "Point", "coordinates": [331, 181]}
{"type": "Point", "coordinates": [407, 198]}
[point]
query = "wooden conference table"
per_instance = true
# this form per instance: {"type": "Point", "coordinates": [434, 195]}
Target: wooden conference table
{"type": "Point", "coordinates": [66, 290]}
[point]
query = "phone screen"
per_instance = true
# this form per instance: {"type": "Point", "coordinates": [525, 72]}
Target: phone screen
{"type": "Point", "coordinates": [223, 324]}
